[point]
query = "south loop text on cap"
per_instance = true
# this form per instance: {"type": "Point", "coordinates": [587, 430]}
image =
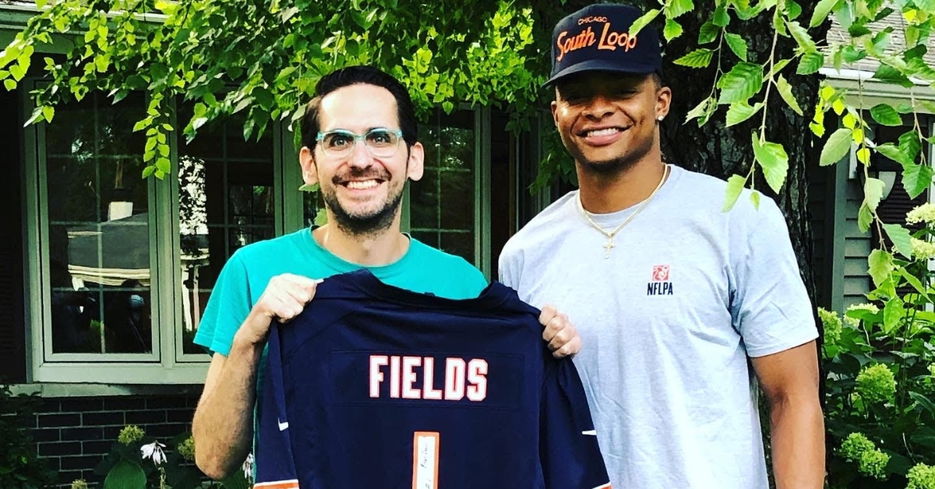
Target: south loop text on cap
{"type": "Point", "coordinates": [596, 38]}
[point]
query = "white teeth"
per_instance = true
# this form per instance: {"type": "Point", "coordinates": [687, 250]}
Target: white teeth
{"type": "Point", "coordinates": [359, 185]}
{"type": "Point", "coordinates": [604, 132]}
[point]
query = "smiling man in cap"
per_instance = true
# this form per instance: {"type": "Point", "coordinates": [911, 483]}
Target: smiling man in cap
{"type": "Point", "coordinates": [674, 299]}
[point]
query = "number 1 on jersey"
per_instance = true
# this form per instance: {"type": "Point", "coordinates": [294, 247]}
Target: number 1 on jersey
{"type": "Point", "coordinates": [425, 460]}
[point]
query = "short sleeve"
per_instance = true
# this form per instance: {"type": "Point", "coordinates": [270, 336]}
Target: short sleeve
{"type": "Point", "coordinates": [227, 308]}
{"type": "Point", "coordinates": [508, 267]}
{"type": "Point", "coordinates": [571, 458]}
{"type": "Point", "coordinates": [476, 280]}
{"type": "Point", "coordinates": [769, 304]}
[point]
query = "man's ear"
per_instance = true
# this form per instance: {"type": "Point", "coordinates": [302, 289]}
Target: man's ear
{"type": "Point", "coordinates": [307, 162]}
{"type": "Point", "coordinates": [416, 163]}
{"type": "Point", "coordinates": [663, 100]}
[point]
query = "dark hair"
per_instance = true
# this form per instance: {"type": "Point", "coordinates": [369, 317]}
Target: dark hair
{"type": "Point", "coordinates": [354, 75]}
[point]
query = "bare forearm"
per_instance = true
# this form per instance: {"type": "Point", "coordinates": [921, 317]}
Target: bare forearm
{"type": "Point", "coordinates": [798, 445]}
{"type": "Point", "coordinates": [223, 422]}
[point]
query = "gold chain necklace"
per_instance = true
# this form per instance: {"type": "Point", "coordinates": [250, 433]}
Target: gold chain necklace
{"type": "Point", "coordinates": [610, 234]}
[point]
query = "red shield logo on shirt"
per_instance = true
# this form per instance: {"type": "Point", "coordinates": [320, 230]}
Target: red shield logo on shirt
{"type": "Point", "coordinates": [660, 273]}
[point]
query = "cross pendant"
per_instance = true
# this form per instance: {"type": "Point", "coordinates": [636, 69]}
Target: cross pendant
{"type": "Point", "coordinates": [607, 247]}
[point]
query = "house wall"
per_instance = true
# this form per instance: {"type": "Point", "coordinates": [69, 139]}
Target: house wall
{"type": "Point", "coordinates": [74, 433]}
{"type": "Point", "coordinates": [857, 247]}
{"type": "Point", "coordinates": [12, 330]}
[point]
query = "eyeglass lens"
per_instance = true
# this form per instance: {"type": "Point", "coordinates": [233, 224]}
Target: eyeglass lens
{"type": "Point", "coordinates": [381, 142]}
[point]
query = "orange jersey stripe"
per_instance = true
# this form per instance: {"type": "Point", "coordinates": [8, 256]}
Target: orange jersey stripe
{"type": "Point", "coordinates": [289, 484]}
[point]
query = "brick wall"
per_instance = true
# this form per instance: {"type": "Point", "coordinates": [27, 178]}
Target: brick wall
{"type": "Point", "coordinates": [74, 433]}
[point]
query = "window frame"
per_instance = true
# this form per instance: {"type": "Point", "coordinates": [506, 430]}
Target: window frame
{"type": "Point", "coordinates": [482, 188]}
{"type": "Point", "coordinates": [167, 363]}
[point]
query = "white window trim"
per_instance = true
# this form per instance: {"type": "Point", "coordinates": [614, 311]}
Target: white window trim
{"type": "Point", "coordinates": [166, 364]}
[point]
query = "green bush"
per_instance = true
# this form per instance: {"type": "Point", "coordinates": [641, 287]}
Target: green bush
{"type": "Point", "coordinates": [140, 462]}
{"type": "Point", "coordinates": [20, 467]}
{"type": "Point", "coordinates": [879, 359]}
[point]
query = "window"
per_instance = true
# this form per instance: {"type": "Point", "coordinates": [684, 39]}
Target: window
{"type": "Point", "coordinates": [226, 201]}
{"type": "Point", "coordinates": [99, 223]}
{"type": "Point", "coordinates": [444, 210]}
{"type": "Point", "coordinates": [896, 203]}
{"type": "Point", "coordinates": [126, 264]}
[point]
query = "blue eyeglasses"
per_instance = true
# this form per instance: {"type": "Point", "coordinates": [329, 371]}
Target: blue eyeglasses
{"type": "Point", "coordinates": [380, 141]}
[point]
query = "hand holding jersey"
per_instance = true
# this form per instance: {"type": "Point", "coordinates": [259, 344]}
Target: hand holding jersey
{"type": "Point", "coordinates": [284, 298]}
{"type": "Point", "coordinates": [559, 333]}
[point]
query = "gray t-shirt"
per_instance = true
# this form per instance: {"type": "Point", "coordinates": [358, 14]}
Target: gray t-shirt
{"type": "Point", "coordinates": [668, 320]}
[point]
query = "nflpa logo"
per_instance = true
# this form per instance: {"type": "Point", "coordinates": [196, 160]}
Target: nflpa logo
{"type": "Point", "coordinates": [660, 273]}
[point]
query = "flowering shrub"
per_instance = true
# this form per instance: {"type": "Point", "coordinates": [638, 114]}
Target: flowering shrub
{"type": "Point", "coordinates": [878, 358]}
{"type": "Point", "coordinates": [921, 477]}
{"type": "Point", "coordinates": [133, 464]}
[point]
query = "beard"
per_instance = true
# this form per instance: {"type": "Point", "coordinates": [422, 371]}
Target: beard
{"type": "Point", "coordinates": [362, 224]}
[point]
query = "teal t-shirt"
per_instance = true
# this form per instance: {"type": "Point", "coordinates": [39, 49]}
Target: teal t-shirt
{"type": "Point", "coordinates": [245, 276]}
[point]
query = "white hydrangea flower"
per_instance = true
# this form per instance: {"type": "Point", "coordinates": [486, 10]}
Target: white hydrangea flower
{"type": "Point", "coordinates": [923, 213]}
{"type": "Point", "coordinates": [871, 308]}
{"type": "Point", "coordinates": [248, 467]}
{"type": "Point", "coordinates": [922, 250]}
{"type": "Point", "coordinates": [154, 451]}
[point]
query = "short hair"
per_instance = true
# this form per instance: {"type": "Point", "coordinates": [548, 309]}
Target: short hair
{"type": "Point", "coordinates": [355, 75]}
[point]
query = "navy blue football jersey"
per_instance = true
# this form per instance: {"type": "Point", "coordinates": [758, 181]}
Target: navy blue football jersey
{"type": "Point", "coordinates": [373, 386]}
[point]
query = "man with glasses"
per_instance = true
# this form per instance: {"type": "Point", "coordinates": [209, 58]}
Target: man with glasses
{"type": "Point", "coordinates": [359, 145]}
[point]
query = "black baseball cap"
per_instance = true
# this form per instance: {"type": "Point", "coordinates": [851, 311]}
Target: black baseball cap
{"type": "Point", "coordinates": [596, 38]}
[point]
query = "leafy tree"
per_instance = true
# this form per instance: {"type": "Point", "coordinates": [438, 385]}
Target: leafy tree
{"type": "Point", "coordinates": [263, 58]}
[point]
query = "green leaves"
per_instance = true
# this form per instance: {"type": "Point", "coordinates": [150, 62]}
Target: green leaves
{"type": "Point", "coordinates": [741, 111]}
{"type": "Point", "coordinates": [677, 8]}
{"type": "Point", "coordinates": [810, 63]}
{"type": "Point", "coordinates": [893, 311]}
{"type": "Point", "coordinates": [917, 178]}
{"type": "Point", "coordinates": [698, 58]}
{"type": "Point", "coordinates": [737, 45]}
{"type": "Point", "coordinates": [802, 38]}
{"type": "Point", "coordinates": [125, 475]}
{"type": "Point", "coordinates": [902, 240]}
{"type": "Point", "coordinates": [735, 186]}
{"type": "Point", "coordinates": [773, 160]}
{"type": "Point", "coordinates": [785, 91]}
{"type": "Point", "coordinates": [873, 192]}
{"type": "Point", "coordinates": [889, 74]}
{"type": "Point", "coordinates": [708, 32]}
{"type": "Point", "coordinates": [703, 111]}
{"type": "Point", "coordinates": [822, 9]}
{"type": "Point", "coordinates": [742, 82]}
{"type": "Point", "coordinates": [885, 115]}
{"type": "Point", "coordinates": [880, 264]}
{"type": "Point", "coordinates": [672, 30]}
{"type": "Point", "coordinates": [721, 18]}
{"type": "Point", "coordinates": [643, 20]}
{"type": "Point", "coordinates": [836, 147]}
